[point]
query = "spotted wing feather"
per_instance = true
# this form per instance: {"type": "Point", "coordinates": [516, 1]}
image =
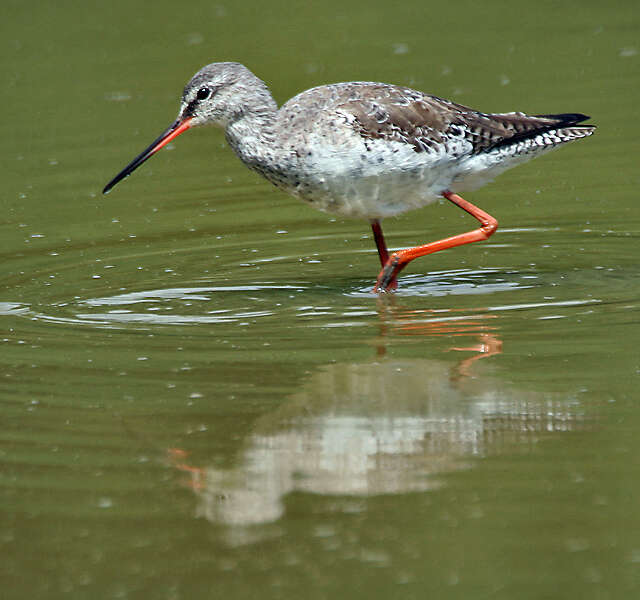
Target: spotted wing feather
{"type": "Point", "coordinates": [427, 122]}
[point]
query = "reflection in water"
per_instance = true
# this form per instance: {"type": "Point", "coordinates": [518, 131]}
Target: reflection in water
{"type": "Point", "coordinates": [440, 322]}
{"type": "Point", "coordinates": [384, 427]}
{"type": "Point", "coordinates": [389, 426]}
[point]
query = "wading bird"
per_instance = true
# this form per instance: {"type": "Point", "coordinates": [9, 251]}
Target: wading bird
{"type": "Point", "coordinates": [368, 150]}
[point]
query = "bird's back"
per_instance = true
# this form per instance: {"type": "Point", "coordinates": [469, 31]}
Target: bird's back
{"type": "Point", "coordinates": [398, 114]}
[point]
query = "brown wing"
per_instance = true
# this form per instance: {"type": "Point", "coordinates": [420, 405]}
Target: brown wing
{"type": "Point", "coordinates": [427, 122]}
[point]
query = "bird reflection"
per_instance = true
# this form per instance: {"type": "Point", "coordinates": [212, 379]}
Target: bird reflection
{"type": "Point", "coordinates": [387, 426]}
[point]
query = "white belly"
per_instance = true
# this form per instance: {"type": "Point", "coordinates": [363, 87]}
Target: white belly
{"type": "Point", "coordinates": [385, 180]}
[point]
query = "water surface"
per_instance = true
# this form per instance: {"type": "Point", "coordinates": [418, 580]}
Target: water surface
{"type": "Point", "coordinates": [200, 396]}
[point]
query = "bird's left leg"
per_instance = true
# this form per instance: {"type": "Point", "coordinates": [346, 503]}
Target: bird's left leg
{"type": "Point", "coordinates": [383, 253]}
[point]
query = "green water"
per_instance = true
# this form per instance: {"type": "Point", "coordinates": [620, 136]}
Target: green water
{"type": "Point", "coordinates": [199, 395]}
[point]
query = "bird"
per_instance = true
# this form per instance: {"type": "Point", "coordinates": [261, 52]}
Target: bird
{"type": "Point", "coordinates": [364, 149]}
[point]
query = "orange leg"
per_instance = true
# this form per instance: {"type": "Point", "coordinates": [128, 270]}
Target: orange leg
{"type": "Point", "coordinates": [399, 260]}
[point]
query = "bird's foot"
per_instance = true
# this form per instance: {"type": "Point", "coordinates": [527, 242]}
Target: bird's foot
{"type": "Point", "coordinates": [387, 279]}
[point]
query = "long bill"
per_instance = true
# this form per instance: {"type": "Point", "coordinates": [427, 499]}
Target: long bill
{"type": "Point", "coordinates": [180, 126]}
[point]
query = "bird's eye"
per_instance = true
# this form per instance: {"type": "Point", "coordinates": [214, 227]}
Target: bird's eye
{"type": "Point", "coordinates": [203, 93]}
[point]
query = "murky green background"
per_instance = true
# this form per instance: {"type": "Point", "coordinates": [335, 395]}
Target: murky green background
{"type": "Point", "coordinates": [199, 396]}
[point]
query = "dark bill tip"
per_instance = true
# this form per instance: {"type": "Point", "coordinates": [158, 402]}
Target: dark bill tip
{"type": "Point", "coordinates": [169, 134]}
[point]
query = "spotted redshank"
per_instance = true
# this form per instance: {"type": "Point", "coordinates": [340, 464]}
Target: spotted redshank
{"type": "Point", "coordinates": [368, 150]}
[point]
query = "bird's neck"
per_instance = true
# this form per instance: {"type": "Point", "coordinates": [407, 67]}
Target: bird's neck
{"type": "Point", "coordinates": [251, 132]}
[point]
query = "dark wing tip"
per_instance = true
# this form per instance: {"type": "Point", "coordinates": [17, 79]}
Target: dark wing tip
{"type": "Point", "coordinates": [566, 119]}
